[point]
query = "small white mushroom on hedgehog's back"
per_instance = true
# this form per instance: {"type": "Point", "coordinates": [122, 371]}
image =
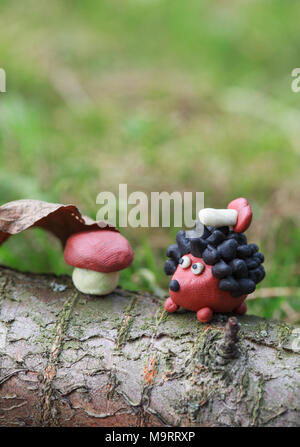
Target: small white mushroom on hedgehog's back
{"type": "Point", "coordinates": [218, 218]}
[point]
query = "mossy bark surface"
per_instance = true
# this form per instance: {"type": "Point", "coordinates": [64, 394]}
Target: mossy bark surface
{"type": "Point", "coordinates": [68, 359]}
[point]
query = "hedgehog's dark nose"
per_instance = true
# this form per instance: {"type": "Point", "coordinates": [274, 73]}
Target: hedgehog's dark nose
{"type": "Point", "coordinates": [174, 285]}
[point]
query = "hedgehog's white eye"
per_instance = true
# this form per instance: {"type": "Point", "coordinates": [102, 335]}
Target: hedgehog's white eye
{"type": "Point", "coordinates": [185, 262]}
{"type": "Point", "coordinates": [197, 268]}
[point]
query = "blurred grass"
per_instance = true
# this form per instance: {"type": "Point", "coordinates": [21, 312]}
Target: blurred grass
{"type": "Point", "coordinates": [161, 95]}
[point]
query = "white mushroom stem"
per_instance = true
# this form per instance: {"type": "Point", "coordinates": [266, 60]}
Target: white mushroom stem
{"type": "Point", "coordinates": [94, 283]}
{"type": "Point", "coordinates": [218, 218]}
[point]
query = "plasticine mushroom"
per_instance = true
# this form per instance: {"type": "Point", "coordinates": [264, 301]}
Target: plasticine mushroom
{"type": "Point", "coordinates": [97, 256]}
{"type": "Point", "coordinates": [218, 218]}
{"type": "Point", "coordinates": [244, 218]}
{"type": "Point", "coordinates": [238, 215]}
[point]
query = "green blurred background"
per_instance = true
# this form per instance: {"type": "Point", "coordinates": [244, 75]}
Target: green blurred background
{"type": "Point", "coordinates": [164, 95]}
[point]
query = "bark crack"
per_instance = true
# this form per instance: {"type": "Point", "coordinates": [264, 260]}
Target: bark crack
{"type": "Point", "coordinates": [150, 371]}
{"type": "Point", "coordinates": [13, 373]}
{"type": "Point", "coordinates": [48, 413]}
{"type": "Point", "coordinates": [126, 323]}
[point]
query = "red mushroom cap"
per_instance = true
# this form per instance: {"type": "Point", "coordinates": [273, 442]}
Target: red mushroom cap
{"type": "Point", "coordinates": [103, 251]}
{"type": "Point", "coordinates": [244, 210]}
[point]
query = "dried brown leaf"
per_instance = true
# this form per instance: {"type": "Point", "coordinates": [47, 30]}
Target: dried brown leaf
{"type": "Point", "coordinates": [61, 220]}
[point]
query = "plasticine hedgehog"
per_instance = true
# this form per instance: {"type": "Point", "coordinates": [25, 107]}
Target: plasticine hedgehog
{"type": "Point", "coordinates": [213, 266]}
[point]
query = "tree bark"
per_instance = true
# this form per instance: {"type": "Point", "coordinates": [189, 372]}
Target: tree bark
{"type": "Point", "coordinates": [68, 359]}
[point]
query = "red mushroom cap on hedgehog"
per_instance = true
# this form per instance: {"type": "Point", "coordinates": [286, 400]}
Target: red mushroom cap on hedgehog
{"type": "Point", "coordinates": [103, 251]}
{"type": "Point", "coordinates": [244, 217]}
{"type": "Point", "coordinates": [214, 268]}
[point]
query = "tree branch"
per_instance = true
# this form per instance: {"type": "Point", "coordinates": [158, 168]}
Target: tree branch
{"type": "Point", "coordinates": [69, 359]}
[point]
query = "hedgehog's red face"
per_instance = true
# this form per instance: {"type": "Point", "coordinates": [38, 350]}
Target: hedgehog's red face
{"type": "Point", "coordinates": [191, 280]}
{"type": "Point", "coordinates": [188, 272]}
